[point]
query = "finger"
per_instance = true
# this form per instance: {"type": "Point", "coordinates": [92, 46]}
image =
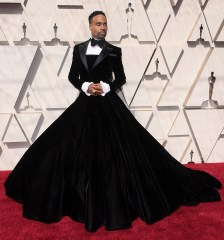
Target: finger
{"type": "Point", "coordinates": [97, 93]}
{"type": "Point", "coordinates": [98, 88]}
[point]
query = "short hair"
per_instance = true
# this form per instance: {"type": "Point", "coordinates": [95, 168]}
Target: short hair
{"type": "Point", "coordinates": [95, 13]}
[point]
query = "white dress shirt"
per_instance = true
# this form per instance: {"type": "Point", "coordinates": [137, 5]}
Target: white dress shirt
{"type": "Point", "coordinates": [94, 50]}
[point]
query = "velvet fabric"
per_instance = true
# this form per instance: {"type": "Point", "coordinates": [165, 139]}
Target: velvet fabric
{"type": "Point", "coordinates": [98, 165]}
{"type": "Point", "coordinates": [108, 63]}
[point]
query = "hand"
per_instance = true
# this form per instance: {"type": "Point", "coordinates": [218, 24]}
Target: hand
{"type": "Point", "coordinates": [95, 89]}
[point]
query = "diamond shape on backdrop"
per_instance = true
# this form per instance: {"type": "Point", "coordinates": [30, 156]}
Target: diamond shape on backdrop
{"type": "Point", "coordinates": [56, 56]}
{"type": "Point", "coordinates": [41, 14]}
{"type": "Point", "coordinates": [172, 56]}
{"type": "Point", "coordinates": [156, 79]}
{"type": "Point", "coordinates": [159, 122]}
{"type": "Point", "coordinates": [69, 91]}
{"type": "Point", "coordinates": [200, 92]}
{"type": "Point", "coordinates": [55, 34]}
{"type": "Point", "coordinates": [4, 121]}
{"type": "Point", "coordinates": [139, 15]}
{"type": "Point", "coordinates": [207, 126]}
{"type": "Point", "coordinates": [220, 37]}
{"type": "Point", "coordinates": [217, 150]}
{"type": "Point", "coordinates": [134, 69]}
{"type": "Point", "coordinates": [12, 154]}
{"type": "Point", "coordinates": [178, 140]}
{"type": "Point", "coordinates": [149, 92]}
{"type": "Point", "coordinates": [14, 132]}
{"type": "Point", "coordinates": [177, 146]}
{"type": "Point", "coordinates": [150, 122]}
{"type": "Point", "coordinates": [166, 116]}
{"type": "Point", "coordinates": [12, 58]}
{"type": "Point", "coordinates": [75, 21]}
{"type": "Point", "coordinates": [152, 86]}
{"type": "Point", "coordinates": [45, 88]}
{"type": "Point", "coordinates": [12, 79]}
{"type": "Point", "coordinates": [52, 98]}
{"type": "Point", "coordinates": [214, 20]}
{"type": "Point", "coordinates": [118, 25]}
{"type": "Point", "coordinates": [159, 21]}
{"type": "Point", "coordinates": [13, 26]}
{"type": "Point", "coordinates": [181, 22]}
{"type": "Point", "coordinates": [180, 126]}
{"type": "Point", "coordinates": [84, 35]}
{"type": "Point", "coordinates": [29, 101]}
{"type": "Point", "coordinates": [195, 34]}
{"type": "Point", "coordinates": [63, 74]}
{"type": "Point", "coordinates": [157, 66]}
{"type": "Point", "coordinates": [29, 122]}
{"type": "Point", "coordinates": [144, 117]}
{"type": "Point", "coordinates": [125, 22]}
{"type": "Point", "coordinates": [155, 129]}
{"type": "Point", "coordinates": [185, 76]}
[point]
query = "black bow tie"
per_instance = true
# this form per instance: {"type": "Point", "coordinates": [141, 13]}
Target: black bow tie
{"type": "Point", "coordinates": [95, 42]}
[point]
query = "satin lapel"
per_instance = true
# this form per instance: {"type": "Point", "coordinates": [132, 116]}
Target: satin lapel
{"type": "Point", "coordinates": [104, 53]}
{"type": "Point", "coordinates": [82, 51]}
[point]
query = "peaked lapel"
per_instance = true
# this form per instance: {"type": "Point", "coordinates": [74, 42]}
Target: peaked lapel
{"type": "Point", "coordinates": [82, 52]}
{"type": "Point", "coordinates": [104, 53]}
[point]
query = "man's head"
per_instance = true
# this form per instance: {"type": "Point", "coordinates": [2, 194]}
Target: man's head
{"type": "Point", "coordinates": [98, 24]}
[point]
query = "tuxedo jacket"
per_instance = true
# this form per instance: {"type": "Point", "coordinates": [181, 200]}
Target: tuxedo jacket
{"type": "Point", "coordinates": [108, 62]}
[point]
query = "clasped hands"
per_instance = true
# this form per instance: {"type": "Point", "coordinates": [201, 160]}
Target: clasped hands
{"type": "Point", "coordinates": [95, 89]}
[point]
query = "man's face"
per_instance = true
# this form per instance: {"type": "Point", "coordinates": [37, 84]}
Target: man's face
{"type": "Point", "coordinates": [98, 27]}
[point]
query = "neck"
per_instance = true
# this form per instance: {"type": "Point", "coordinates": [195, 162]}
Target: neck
{"type": "Point", "coordinates": [98, 39]}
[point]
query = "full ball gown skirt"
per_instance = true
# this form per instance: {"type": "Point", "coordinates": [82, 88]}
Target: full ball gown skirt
{"type": "Point", "coordinates": [99, 166]}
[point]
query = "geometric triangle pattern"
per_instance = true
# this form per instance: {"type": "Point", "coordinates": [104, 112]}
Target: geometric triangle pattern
{"type": "Point", "coordinates": [29, 101]}
{"type": "Point", "coordinates": [169, 50]}
{"type": "Point", "coordinates": [14, 132]}
{"type": "Point", "coordinates": [29, 122]}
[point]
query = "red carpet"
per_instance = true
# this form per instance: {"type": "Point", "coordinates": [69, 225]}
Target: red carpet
{"type": "Point", "coordinates": [202, 222]}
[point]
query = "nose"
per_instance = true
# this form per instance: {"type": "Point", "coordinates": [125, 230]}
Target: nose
{"type": "Point", "coordinates": [103, 27]}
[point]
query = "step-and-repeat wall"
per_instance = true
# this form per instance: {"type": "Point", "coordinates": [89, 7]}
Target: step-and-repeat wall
{"type": "Point", "coordinates": [173, 55]}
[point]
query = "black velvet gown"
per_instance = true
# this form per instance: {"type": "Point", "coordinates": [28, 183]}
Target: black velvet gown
{"type": "Point", "coordinates": [99, 166]}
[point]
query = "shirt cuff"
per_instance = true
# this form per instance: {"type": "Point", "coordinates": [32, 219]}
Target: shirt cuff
{"type": "Point", "coordinates": [105, 87]}
{"type": "Point", "coordinates": [85, 86]}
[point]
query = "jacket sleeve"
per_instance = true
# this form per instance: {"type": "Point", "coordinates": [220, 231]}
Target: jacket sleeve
{"type": "Point", "coordinates": [118, 69]}
{"type": "Point", "coordinates": [73, 75]}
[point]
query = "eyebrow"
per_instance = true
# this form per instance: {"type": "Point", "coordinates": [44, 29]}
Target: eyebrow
{"type": "Point", "coordinates": [101, 22]}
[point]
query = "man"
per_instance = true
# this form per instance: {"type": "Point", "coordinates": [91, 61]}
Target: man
{"type": "Point", "coordinates": [97, 80]}
{"type": "Point", "coordinates": [96, 163]}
